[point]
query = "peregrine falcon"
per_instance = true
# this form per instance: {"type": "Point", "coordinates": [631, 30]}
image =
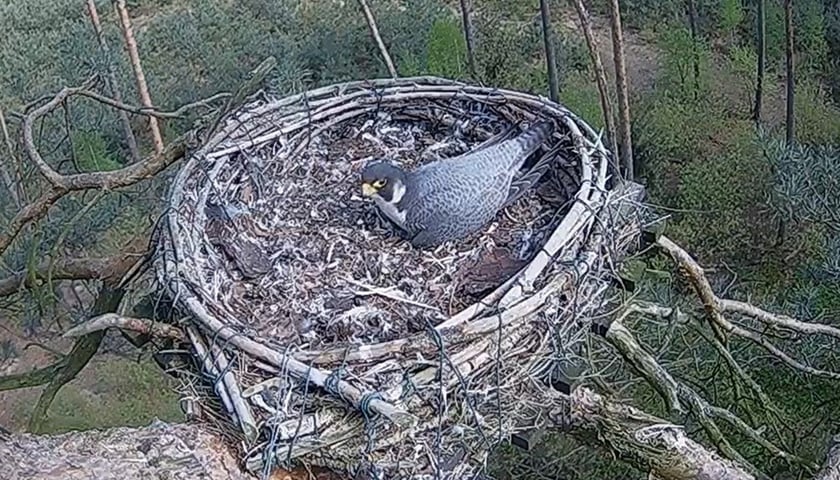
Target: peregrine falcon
{"type": "Point", "coordinates": [451, 198]}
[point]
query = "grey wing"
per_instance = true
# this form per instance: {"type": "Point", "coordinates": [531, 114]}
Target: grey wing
{"type": "Point", "coordinates": [455, 202]}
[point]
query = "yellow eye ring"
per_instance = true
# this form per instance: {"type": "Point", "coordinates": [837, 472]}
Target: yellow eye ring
{"type": "Point", "coordinates": [379, 183]}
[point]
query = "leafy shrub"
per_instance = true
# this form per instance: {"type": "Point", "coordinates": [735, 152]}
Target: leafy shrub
{"type": "Point", "coordinates": [817, 119]}
{"type": "Point", "coordinates": [447, 49]}
{"type": "Point", "coordinates": [91, 152]}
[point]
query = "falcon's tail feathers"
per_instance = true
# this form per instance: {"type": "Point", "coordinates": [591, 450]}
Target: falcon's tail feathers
{"type": "Point", "coordinates": [527, 180]}
{"type": "Point", "coordinates": [535, 135]}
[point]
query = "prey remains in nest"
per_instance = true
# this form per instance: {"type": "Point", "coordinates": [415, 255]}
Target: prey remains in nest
{"type": "Point", "coordinates": [305, 260]}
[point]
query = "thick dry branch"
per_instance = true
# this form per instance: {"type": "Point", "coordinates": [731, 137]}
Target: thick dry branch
{"type": "Point", "coordinates": [550, 57]}
{"type": "Point", "coordinates": [140, 325]}
{"type": "Point", "coordinates": [32, 378]}
{"type": "Point", "coordinates": [645, 365]}
{"type": "Point", "coordinates": [650, 443]}
{"type": "Point", "coordinates": [721, 326]}
{"type": "Point", "coordinates": [831, 467]}
{"type": "Point", "coordinates": [85, 181]}
{"type": "Point", "coordinates": [622, 91]}
{"type": "Point", "coordinates": [777, 320]}
{"type": "Point", "coordinates": [698, 280]}
{"type": "Point", "coordinates": [28, 123]}
{"type": "Point", "coordinates": [469, 37]}
{"type": "Point", "coordinates": [109, 269]}
{"type": "Point", "coordinates": [81, 353]}
{"type": "Point", "coordinates": [675, 392]}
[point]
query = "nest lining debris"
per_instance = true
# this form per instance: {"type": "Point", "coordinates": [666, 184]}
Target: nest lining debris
{"type": "Point", "coordinates": [299, 257]}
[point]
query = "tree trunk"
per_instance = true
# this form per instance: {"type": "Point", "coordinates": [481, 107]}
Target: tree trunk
{"type": "Point", "coordinates": [762, 59]}
{"type": "Point", "coordinates": [134, 56]}
{"type": "Point", "coordinates": [695, 61]}
{"type": "Point", "coordinates": [600, 76]}
{"type": "Point", "coordinates": [113, 86]}
{"type": "Point", "coordinates": [623, 95]}
{"type": "Point", "coordinates": [550, 57]}
{"type": "Point", "coordinates": [468, 38]}
{"type": "Point", "coordinates": [790, 127]}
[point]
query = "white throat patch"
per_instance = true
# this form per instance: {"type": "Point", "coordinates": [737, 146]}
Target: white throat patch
{"type": "Point", "coordinates": [390, 208]}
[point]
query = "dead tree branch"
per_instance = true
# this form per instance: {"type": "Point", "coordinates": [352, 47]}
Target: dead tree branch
{"type": "Point", "coordinates": [87, 268]}
{"type": "Point", "coordinates": [374, 31]}
{"type": "Point", "coordinates": [113, 84]}
{"type": "Point", "coordinates": [151, 111]}
{"type": "Point", "coordinates": [677, 393]}
{"type": "Point", "coordinates": [831, 466]}
{"type": "Point", "coordinates": [714, 308]}
{"type": "Point", "coordinates": [157, 451]}
{"type": "Point", "coordinates": [140, 325]}
{"type": "Point", "coordinates": [134, 56]}
{"type": "Point", "coordinates": [83, 350]}
{"type": "Point", "coordinates": [651, 444]}
{"type": "Point", "coordinates": [600, 75]}
{"type": "Point", "coordinates": [622, 92]}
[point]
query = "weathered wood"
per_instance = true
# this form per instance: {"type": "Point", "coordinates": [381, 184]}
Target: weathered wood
{"type": "Point", "coordinates": [652, 444]}
{"type": "Point", "coordinates": [831, 467]}
{"type": "Point", "coordinates": [157, 451]}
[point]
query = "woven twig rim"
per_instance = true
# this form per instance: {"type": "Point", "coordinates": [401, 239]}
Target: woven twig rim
{"type": "Point", "coordinates": [291, 119]}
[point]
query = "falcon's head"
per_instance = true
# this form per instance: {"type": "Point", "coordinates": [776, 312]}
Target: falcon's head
{"type": "Point", "coordinates": [384, 181]}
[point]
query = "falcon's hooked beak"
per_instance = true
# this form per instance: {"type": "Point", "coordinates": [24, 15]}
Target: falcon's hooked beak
{"type": "Point", "coordinates": [368, 190]}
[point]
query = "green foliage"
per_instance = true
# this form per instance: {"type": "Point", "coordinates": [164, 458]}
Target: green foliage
{"type": "Point", "coordinates": [741, 62]}
{"type": "Point", "coordinates": [447, 49]}
{"type": "Point", "coordinates": [678, 50]}
{"type": "Point", "coordinates": [817, 119]}
{"type": "Point", "coordinates": [730, 15]}
{"type": "Point", "coordinates": [125, 393]}
{"type": "Point", "coordinates": [91, 152]}
{"type": "Point", "coordinates": [580, 95]}
{"type": "Point", "coordinates": [810, 38]}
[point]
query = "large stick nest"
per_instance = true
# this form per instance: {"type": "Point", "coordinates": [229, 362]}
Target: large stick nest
{"type": "Point", "coordinates": [414, 357]}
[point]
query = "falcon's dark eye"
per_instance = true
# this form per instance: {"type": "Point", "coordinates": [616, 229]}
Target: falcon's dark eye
{"type": "Point", "coordinates": [380, 183]}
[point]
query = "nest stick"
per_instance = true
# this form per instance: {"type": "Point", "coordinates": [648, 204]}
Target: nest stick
{"type": "Point", "coordinates": [207, 363]}
{"type": "Point", "coordinates": [298, 369]}
{"type": "Point", "coordinates": [243, 411]}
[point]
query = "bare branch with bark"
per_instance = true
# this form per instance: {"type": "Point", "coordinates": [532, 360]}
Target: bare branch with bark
{"type": "Point", "coordinates": [622, 91]}
{"type": "Point", "coordinates": [136, 66]}
{"type": "Point", "coordinates": [550, 57]}
{"type": "Point", "coordinates": [61, 184]}
{"type": "Point", "coordinates": [139, 325]}
{"type": "Point", "coordinates": [113, 84]}
{"type": "Point", "coordinates": [716, 307]}
{"type": "Point", "coordinates": [374, 31]}
{"type": "Point", "coordinates": [469, 38]}
{"type": "Point", "coordinates": [600, 74]}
